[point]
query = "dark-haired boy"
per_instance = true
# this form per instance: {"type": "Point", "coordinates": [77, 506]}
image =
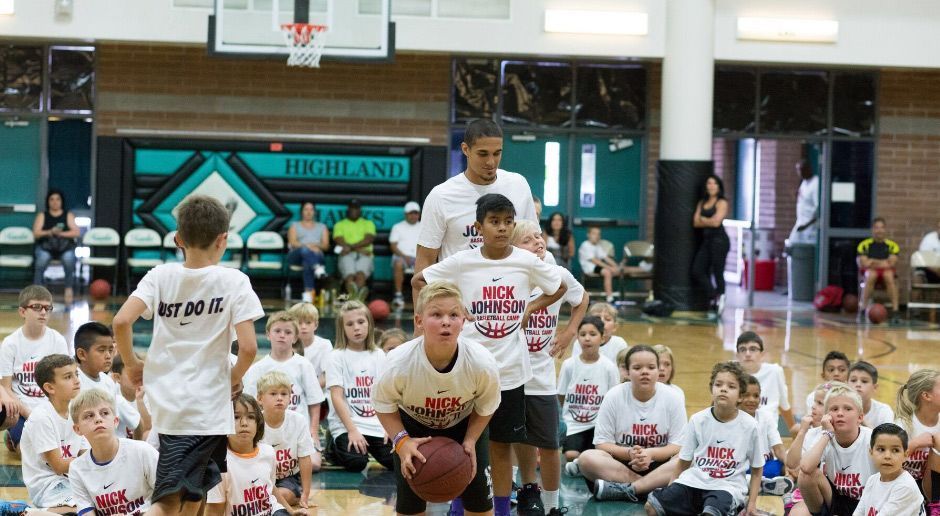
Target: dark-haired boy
{"type": "Point", "coordinates": [892, 491]}
{"type": "Point", "coordinates": [49, 444]}
{"type": "Point", "coordinates": [775, 395]}
{"type": "Point", "coordinates": [19, 354]}
{"type": "Point", "coordinates": [495, 281]}
{"type": "Point", "coordinates": [863, 377]}
{"type": "Point", "coordinates": [198, 308]}
{"type": "Point", "coordinates": [835, 368]}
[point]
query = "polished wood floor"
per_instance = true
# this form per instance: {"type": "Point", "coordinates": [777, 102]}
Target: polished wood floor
{"type": "Point", "coordinates": [796, 339]}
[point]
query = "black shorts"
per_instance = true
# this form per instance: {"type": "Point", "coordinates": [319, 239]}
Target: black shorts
{"type": "Point", "coordinates": [508, 423]}
{"type": "Point", "coordinates": [683, 500]}
{"type": "Point", "coordinates": [598, 269]}
{"type": "Point", "coordinates": [291, 483]}
{"type": "Point", "coordinates": [579, 442]}
{"type": "Point", "coordinates": [476, 497]}
{"type": "Point", "coordinates": [190, 465]}
{"type": "Point", "coordinates": [839, 504]}
{"type": "Point", "coordinates": [541, 421]}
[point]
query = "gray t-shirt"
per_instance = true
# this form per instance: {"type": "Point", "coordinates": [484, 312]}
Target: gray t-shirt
{"type": "Point", "coordinates": [312, 235]}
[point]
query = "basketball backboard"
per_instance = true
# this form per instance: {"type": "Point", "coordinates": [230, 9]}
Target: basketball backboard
{"type": "Point", "coordinates": [357, 29]}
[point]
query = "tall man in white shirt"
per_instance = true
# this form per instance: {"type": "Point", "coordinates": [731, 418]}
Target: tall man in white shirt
{"type": "Point", "coordinates": [807, 206]}
{"type": "Point", "coordinates": [404, 242]}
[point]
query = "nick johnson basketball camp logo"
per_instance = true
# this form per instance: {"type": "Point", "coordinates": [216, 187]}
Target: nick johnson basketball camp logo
{"type": "Point", "coordinates": [26, 381]}
{"type": "Point", "coordinates": [540, 329]}
{"type": "Point", "coordinates": [474, 238]}
{"type": "Point", "coordinates": [359, 396]}
{"type": "Point", "coordinates": [499, 313]}
{"type": "Point", "coordinates": [585, 402]}
{"type": "Point", "coordinates": [440, 412]}
{"type": "Point", "coordinates": [718, 462]}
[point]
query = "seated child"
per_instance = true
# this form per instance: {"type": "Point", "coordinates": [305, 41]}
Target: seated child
{"type": "Point", "coordinates": [133, 416]}
{"type": "Point", "coordinates": [918, 413]}
{"type": "Point", "coordinates": [612, 344]}
{"type": "Point", "coordinates": [843, 448]}
{"type": "Point", "coordinates": [719, 445]}
{"type": "Point", "coordinates": [890, 491]}
{"type": "Point", "coordinates": [582, 385]}
{"type": "Point", "coordinates": [774, 481]}
{"type": "Point", "coordinates": [295, 453]}
{"type": "Point", "coordinates": [391, 339]}
{"type": "Point", "coordinates": [49, 443]}
{"type": "Point", "coordinates": [863, 377]}
{"type": "Point", "coordinates": [806, 436]}
{"type": "Point", "coordinates": [354, 365]}
{"type": "Point", "coordinates": [248, 485]}
{"type": "Point", "coordinates": [442, 360]}
{"type": "Point", "coordinates": [835, 368]}
{"type": "Point", "coordinates": [775, 395]}
{"type": "Point", "coordinates": [313, 347]}
{"type": "Point", "coordinates": [667, 369]}
{"type": "Point", "coordinates": [117, 475]}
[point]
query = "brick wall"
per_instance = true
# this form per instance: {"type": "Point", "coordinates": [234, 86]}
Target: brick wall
{"type": "Point", "coordinates": [182, 88]}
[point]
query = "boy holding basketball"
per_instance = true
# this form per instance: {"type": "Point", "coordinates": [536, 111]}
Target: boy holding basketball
{"type": "Point", "coordinates": [439, 384]}
{"type": "Point", "coordinates": [199, 308]}
{"type": "Point", "coordinates": [495, 281]}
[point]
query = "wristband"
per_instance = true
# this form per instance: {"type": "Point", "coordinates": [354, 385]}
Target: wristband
{"type": "Point", "coordinates": [829, 434]}
{"type": "Point", "coordinates": [401, 442]}
{"type": "Point", "coordinates": [398, 437]}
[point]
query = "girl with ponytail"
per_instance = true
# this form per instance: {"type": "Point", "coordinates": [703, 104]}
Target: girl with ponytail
{"type": "Point", "coordinates": [918, 412]}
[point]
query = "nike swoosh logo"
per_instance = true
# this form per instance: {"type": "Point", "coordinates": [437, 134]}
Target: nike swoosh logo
{"type": "Point", "coordinates": [442, 392]}
{"type": "Point", "coordinates": [719, 442]}
{"type": "Point", "coordinates": [497, 279]}
{"type": "Point", "coordinates": [255, 480]}
{"type": "Point", "coordinates": [109, 485]}
{"type": "Point", "coordinates": [642, 419]}
{"type": "Point", "coordinates": [847, 467]}
{"type": "Point", "coordinates": [363, 371]}
{"type": "Point", "coordinates": [586, 380]}
{"type": "Point", "coordinates": [184, 323]}
{"type": "Point", "coordinates": [518, 428]}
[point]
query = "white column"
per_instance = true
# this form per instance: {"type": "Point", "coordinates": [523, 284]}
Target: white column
{"type": "Point", "coordinates": [688, 81]}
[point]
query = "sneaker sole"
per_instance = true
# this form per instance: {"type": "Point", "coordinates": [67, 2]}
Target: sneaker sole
{"type": "Point", "coordinates": [778, 486]}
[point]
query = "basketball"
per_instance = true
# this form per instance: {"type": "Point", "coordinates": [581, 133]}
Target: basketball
{"type": "Point", "coordinates": [446, 473]}
{"type": "Point", "coordinates": [379, 309]}
{"type": "Point", "coordinates": [877, 313]}
{"type": "Point", "coordinates": [99, 289]}
{"type": "Point", "coordinates": [850, 303]}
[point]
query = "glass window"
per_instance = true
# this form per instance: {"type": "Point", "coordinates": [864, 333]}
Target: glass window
{"type": "Point", "coordinates": [611, 97]}
{"type": "Point", "coordinates": [794, 102]}
{"type": "Point", "coordinates": [71, 79]}
{"type": "Point", "coordinates": [851, 187]}
{"type": "Point", "coordinates": [492, 9]}
{"type": "Point", "coordinates": [475, 89]}
{"type": "Point", "coordinates": [734, 109]}
{"type": "Point", "coordinates": [458, 162]}
{"type": "Point", "coordinates": [843, 269]}
{"type": "Point", "coordinates": [853, 104]}
{"type": "Point", "coordinates": [20, 78]}
{"type": "Point", "coordinates": [537, 94]}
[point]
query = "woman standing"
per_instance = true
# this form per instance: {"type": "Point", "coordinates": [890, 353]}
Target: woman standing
{"type": "Point", "coordinates": [307, 240]}
{"type": "Point", "coordinates": [55, 233]}
{"type": "Point", "coordinates": [558, 239]}
{"type": "Point", "coordinates": [710, 258]}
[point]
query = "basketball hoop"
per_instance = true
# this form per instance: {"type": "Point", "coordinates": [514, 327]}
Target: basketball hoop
{"type": "Point", "coordinates": [305, 42]}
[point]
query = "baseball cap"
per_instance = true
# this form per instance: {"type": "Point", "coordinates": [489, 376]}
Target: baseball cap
{"type": "Point", "coordinates": [411, 206]}
{"type": "Point", "coordinates": [354, 202]}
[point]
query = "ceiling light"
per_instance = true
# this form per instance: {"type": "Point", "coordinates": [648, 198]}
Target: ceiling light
{"type": "Point", "coordinates": [788, 29]}
{"type": "Point", "coordinates": [597, 22]}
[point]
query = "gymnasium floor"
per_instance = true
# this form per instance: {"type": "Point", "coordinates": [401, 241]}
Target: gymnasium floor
{"type": "Point", "coordinates": [795, 337]}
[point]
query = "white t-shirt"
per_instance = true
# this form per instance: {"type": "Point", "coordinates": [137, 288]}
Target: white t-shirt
{"type": "Point", "coordinates": [46, 430]}
{"type": "Point", "coordinates": [774, 394]}
{"type": "Point", "coordinates": [122, 486]}
{"type": "Point", "coordinates": [496, 292]}
{"type": "Point", "coordinates": [849, 468]}
{"type": "Point", "coordinates": [290, 442]}
{"type": "Point", "coordinates": [931, 242]}
{"type": "Point", "coordinates": [899, 497]}
{"type": "Point", "coordinates": [625, 421]}
{"type": "Point", "coordinates": [436, 399]}
{"type": "Point", "coordinates": [355, 372]}
{"type": "Point", "coordinates": [195, 312]}
{"type": "Point", "coordinates": [18, 359]}
{"type": "Point", "coordinates": [588, 251]}
{"type": "Point", "coordinates": [450, 210]}
{"type": "Point", "coordinates": [678, 390]}
{"type": "Point", "coordinates": [812, 435]}
{"type": "Point", "coordinates": [584, 387]}
{"type": "Point", "coordinates": [247, 488]}
{"type": "Point", "coordinates": [540, 332]}
{"type": "Point", "coordinates": [318, 353]}
{"type": "Point", "coordinates": [769, 435]}
{"type": "Point", "coordinates": [807, 200]}
{"type": "Point", "coordinates": [305, 388]}
{"type": "Point", "coordinates": [916, 462]}
{"type": "Point", "coordinates": [879, 413]}
{"type": "Point", "coordinates": [609, 349]}
{"type": "Point", "coordinates": [127, 413]}
{"type": "Point", "coordinates": [406, 236]}
{"type": "Point", "coordinates": [128, 418]}
{"type": "Point", "coordinates": [721, 453]}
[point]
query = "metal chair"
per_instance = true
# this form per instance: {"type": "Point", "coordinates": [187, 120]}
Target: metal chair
{"type": "Point", "coordinates": [638, 251]}
{"type": "Point", "coordinates": [143, 250]}
{"type": "Point", "coordinates": [235, 246]}
{"type": "Point", "coordinates": [923, 295]}
{"type": "Point", "coordinates": [16, 249]}
{"type": "Point", "coordinates": [266, 256]}
{"type": "Point", "coordinates": [97, 239]}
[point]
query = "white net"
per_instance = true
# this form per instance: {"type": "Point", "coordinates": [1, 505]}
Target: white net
{"type": "Point", "coordinates": [305, 42]}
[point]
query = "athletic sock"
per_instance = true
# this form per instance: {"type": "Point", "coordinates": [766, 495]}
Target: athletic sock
{"type": "Point", "coordinates": [550, 499]}
{"type": "Point", "coordinates": [515, 473]}
{"type": "Point", "coordinates": [456, 507]}
{"type": "Point", "coordinates": [501, 505]}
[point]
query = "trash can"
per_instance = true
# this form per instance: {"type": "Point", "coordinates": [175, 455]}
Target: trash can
{"type": "Point", "coordinates": [801, 271]}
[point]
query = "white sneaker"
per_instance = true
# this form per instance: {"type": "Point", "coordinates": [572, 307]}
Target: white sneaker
{"type": "Point", "coordinates": [572, 469]}
{"type": "Point", "coordinates": [319, 271]}
{"type": "Point", "coordinates": [721, 304]}
{"type": "Point", "coordinates": [306, 297]}
{"type": "Point", "coordinates": [399, 301]}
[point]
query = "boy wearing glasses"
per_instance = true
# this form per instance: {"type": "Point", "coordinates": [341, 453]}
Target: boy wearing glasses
{"type": "Point", "coordinates": [19, 354]}
{"type": "Point", "coordinates": [775, 395]}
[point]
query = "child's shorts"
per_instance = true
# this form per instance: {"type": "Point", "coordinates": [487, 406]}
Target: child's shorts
{"type": "Point", "coordinates": [683, 500]}
{"type": "Point", "coordinates": [508, 422]}
{"type": "Point", "coordinates": [579, 442]}
{"type": "Point", "coordinates": [190, 465]}
{"type": "Point", "coordinates": [56, 495]}
{"type": "Point", "coordinates": [541, 421]}
{"type": "Point", "coordinates": [291, 483]}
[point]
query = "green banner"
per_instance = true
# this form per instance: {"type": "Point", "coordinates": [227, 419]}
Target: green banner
{"type": "Point", "coordinates": [329, 167]}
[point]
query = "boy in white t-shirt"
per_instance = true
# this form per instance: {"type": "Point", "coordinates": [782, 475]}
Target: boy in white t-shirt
{"type": "Point", "coordinates": [593, 258]}
{"type": "Point", "coordinates": [465, 377]}
{"type": "Point", "coordinates": [198, 308]}
{"type": "Point", "coordinates": [775, 395]}
{"type": "Point", "coordinates": [403, 240]}
{"type": "Point", "coordinates": [719, 445]}
{"type": "Point", "coordinates": [286, 431]}
{"type": "Point", "coordinates": [306, 394]}
{"type": "Point", "coordinates": [612, 345]}
{"type": "Point", "coordinates": [313, 347]}
{"type": "Point", "coordinates": [495, 281]}
{"type": "Point", "coordinates": [19, 354]}
{"type": "Point", "coordinates": [775, 481]}
{"type": "Point", "coordinates": [49, 443]}
{"type": "Point", "coordinates": [863, 377]}
{"type": "Point", "coordinates": [135, 410]}
{"type": "Point", "coordinates": [117, 475]}
{"type": "Point", "coordinates": [891, 491]}
{"type": "Point", "coordinates": [835, 368]}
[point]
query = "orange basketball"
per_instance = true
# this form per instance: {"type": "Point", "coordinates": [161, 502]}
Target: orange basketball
{"type": "Point", "coordinates": [446, 473]}
{"type": "Point", "coordinates": [379, 309]}
{"type": "Point", "coordinates": [877, 313]}
{"type": "Point", "coordinates": [99, 290]}
{"type": "Point", "coordinates": [850, 303]}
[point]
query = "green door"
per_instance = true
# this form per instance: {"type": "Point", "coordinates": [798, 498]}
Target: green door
{"type": "Point", "coordinates": [527, 156]}
{"type": "Point", "coordinates": [20, 163]}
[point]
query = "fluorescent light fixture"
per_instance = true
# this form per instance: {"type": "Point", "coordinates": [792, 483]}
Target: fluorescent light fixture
{"type": "Point", "coordinates": [596, 22]}
{"type": "Point", "coordinates": [6, 7]}
{"type": "Point", "coordinates": [552, 173]}
{"type": "Point", "coordinates": [788, 29]}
